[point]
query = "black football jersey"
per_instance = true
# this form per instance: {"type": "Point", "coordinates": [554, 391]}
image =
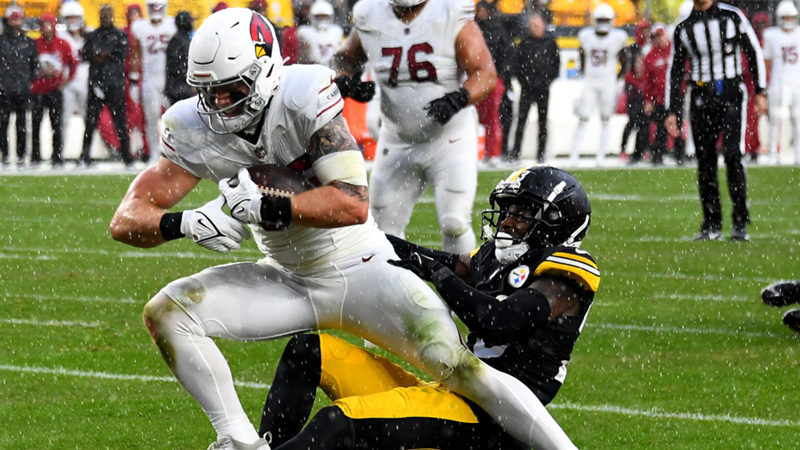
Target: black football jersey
{"type": "Point", "coordinates": [537, 356]}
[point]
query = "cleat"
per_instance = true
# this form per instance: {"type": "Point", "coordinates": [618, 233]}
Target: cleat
{"type": "Point", "coordinates": [708, 235]}
{"type": "Point", "coordinates": [740, 234]}
{"type": "Point", "coordinates": [792, 319]}
{"type": "Point", "coordinates": [782, 293]}
{"type": "Point", "coordinates": [228, 443]}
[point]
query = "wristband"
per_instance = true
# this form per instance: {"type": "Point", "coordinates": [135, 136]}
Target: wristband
{"type": "Point", "coordinates": [170, 226]}
{"type": "Point", "coordinates": [276, 211]}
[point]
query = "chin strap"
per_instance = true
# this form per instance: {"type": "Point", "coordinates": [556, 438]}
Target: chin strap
{"type": "Point", "coordinates": [506, 251]}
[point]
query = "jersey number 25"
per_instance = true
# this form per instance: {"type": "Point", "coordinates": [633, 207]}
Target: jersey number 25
{"type": "Point", "coordinates": [414, 67]}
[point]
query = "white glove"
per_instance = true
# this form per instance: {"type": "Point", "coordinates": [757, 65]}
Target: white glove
{"type": "Point", "coordinates": [244, 200]}
{"type": "Point", "coordinates": [211, 228]}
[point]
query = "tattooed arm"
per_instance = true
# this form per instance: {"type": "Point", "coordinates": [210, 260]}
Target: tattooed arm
{"type": "Point", "coordinates": [337, 204]}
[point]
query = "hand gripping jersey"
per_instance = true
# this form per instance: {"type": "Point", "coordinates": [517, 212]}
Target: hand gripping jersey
{"type": "Point", "coordinates": [601, 53]}
{"type": "Point", "coordinates": [306, 99]}
{"type": "Point", "coordinates": [414, 63]}
{"type": "Point", "coordinates": [322, 44]}
{"type": "Point", "coordinates": [154, 38]}
{"type": "Point", "coordinates": [536, 356]}
{"type": "Point", "coordinates": [783, 49]}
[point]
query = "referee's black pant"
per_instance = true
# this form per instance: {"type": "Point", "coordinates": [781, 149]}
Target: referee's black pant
{"type": "Point", "coordinates": [713, 113]}
{"type": "Point", "coordinates": [115, 99]}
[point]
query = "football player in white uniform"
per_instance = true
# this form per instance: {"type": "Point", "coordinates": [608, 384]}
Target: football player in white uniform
{"type": "Point", "coordinates": [77, 90]}
{"type": "Point", "coordinates": [431, 62]}
{"type": "Point", "coordinates": [319, 41]}
{"type": "Point", "coordinates": [781, 54]}
{"type": "Point", "coordinates": [602, 46]}
{"type": "Point", "coordinates": [326, 262]}
{"type": "Point", "coordinates": [150, 51]}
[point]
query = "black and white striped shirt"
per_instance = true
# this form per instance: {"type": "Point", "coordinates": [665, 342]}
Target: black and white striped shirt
{"type": "Point", "coordinates": [713, 41]}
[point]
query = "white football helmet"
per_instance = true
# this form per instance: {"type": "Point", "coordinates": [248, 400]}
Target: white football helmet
{"type": "Point", "coordinates": [72, 14]}
{"type": "Point", "coordinates": [234, 45]}
{"type": "Point", "coordinates": [321, 14]}
{"type": "Point", "coordinates": [156, 9]}
{"type": "Point", "coordinates": [787, 15]}
{"type": "Point", "coordinates": [603, 17]}
{"type": "Point", "coordinates": [406, 3]}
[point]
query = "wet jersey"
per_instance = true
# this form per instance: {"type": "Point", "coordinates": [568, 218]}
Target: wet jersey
{"type": "Point", "coordinates": [601, 53]}
{"type": "Point", "coordinates": [414, 63]}
{"type": "Point", "coordinates": [153, 39]}
{"type": "Point", "coordinates": [306, 99]}
{"type": "Point", "coordinates": [783, 49]}
{"type": "Point", "coordinates": [536, 356]}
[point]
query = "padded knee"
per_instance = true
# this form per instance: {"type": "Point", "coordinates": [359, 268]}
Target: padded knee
{"type": "Point", "coordinates": [440, 358]}
{"type": "Point", "coordinates": [452, 225]}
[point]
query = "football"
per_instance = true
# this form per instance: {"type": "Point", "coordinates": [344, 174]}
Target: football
{"type": "Point", "coordinates": [275, 181]}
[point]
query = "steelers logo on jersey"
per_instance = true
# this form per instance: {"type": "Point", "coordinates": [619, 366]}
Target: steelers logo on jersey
{"type": "Point", "coordinates": [518, 276]}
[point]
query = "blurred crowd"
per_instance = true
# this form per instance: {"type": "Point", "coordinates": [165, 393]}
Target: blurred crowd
{"type": "Point", "coordinates": [119, 78]}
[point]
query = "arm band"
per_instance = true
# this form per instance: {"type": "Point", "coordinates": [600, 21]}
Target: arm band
{"type": "Point", "coordinates": [346, 166]}
{"type": "Point", "coordinates": [404, 249]}
{"type": "Point", "coordinates": [276, 211]}
{"type": "Point", "coordinates": [170, 226]}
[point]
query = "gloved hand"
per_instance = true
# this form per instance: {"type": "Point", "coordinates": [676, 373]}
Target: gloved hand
{"type": "Point", "coordinates": [211, 228]}
{"type": "Point", "coordinates": [421, 265]}
{"type": "Point", "coordinates": [353, 87]}
{"type": "Point", "coordinates": [244, 200]}
{"type": "Point", "coordinates": [443, 109]}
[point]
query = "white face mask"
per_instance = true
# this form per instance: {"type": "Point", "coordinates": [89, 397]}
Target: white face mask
{"type": "Point", "coordinates": [506, 251]}
{"type": "Point", "coordinates": [788, 23]}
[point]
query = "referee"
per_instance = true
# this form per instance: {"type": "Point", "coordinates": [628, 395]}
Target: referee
{"type": "Point", "coordinates": [714, 38]}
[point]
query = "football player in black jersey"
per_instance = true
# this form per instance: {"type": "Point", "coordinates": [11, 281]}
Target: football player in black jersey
{"type": "Point", "coordinates": [524, 294]}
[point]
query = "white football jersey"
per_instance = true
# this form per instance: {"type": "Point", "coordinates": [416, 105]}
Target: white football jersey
{"type": "Point", "coordinates": [306, 99]}
{"type": "Point", "coordinates": [154, 39]}
{"type": "Point", "coordinates": [783, 49]}
{"type": "Point", "coordinates": [322, 44]}
{"type": "Point", "coordinates": [414, 63]}
{"type": "Point", "coordinates": [601, 53]}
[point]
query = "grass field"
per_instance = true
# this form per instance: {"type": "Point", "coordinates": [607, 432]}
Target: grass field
{"type": "Point", "coordinates": [678, 351]}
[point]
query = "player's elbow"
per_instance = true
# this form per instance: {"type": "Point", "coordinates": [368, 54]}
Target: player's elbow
{"type": "Point", "coordinates": [118, 230]}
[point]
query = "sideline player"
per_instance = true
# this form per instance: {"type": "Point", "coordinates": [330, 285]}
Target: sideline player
{"type": "Point", "coordinates": [76, 91]}
{"type": "Point", "coordinates": [781, 54]}
{"type": "Point", "coordinates": [319, 41]}
{"type": "Point", "coordinates": [326, 263]}
{"type": "Point", "coordinates": [431, 62]}
{"type": "Point", "coordinates": [602, 46]}
{"type": "Point", "coordinates": [152, 38]}
{"type": "Point", "coordinates": [525, 310]}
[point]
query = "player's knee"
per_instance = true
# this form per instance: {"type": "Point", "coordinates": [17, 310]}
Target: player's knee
{"type": "Point", "coordinates": [154, 311]}
{"type": "Point", "coordinates": [467, 369]}
{"type": "Point", "coordinates": [453, 225]}
{"type": "Point", "coordinates": [440, 359]}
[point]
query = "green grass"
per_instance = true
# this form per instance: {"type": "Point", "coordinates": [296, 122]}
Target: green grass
{"type": "Point", "coordinates": [678, 351]}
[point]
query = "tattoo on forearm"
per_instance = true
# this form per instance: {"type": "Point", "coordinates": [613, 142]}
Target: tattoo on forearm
{"type": "Point", "coordinates": [333, 137]}
{"type": "Point", "coordinates": [359, 192]}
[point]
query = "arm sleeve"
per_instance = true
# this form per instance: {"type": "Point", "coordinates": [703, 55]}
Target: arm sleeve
{"type": "Point", "coordinates": [89, 50]}
{"type": "Point", "coordinates": [554, 62]}
{"type": "Point", "coordinates": [120, 51]}
{"type": "Point", "coordinates": [752, 50]}
{"type": "Point", "coordinates": [676, 68]}
{"type": "Point", "coordinates": [404, 248]}
{"type": "Point", "coordinates": [524, 309]}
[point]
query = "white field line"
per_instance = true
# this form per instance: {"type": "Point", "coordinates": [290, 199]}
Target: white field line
{"type": "Point", "coordinates": [713, 298]}
{"type": "Point", "coordinates": [110, 376]}
{"type": "Point", "coordinates": [654, 413]}
{"type": "Point", "coordinates": [7, 295]}
{"type": "Point", "coordinates": [49, 253]}
{"type": "Point", "coordinates": [725, 332]}
{"type": "Point", "coordinates": [50, 323]}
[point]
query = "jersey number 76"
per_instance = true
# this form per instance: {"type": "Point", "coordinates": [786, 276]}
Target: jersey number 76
{"type": "Point", "coordinates": [414, 66]}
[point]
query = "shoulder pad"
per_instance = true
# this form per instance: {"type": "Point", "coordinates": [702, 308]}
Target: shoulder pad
{"type": "Point", "coordinates": [572, 263]}
{"type": "Point", "coordinates": [363, 11]}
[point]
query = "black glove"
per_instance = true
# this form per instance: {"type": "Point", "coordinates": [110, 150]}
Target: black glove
{"type": "Point", "coordinates": [353, 87]}
{"type": "Point", "coordinates": [421, 265]}
{"type": "Point", "coordinates": [443, 109]}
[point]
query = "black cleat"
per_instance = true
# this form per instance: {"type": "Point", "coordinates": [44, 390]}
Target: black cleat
{"type": "Point", "coordinates": [740, 234]}
{"type": "Point", "coordinates": [782, 293]}
{"type": "Point", "coordinates": [792, 319]}
{"type": "Point", "coordinates": [708, 235]}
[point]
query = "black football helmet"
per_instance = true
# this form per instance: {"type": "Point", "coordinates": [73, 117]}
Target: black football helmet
{"type": "Point", "coordinates": [560, 206]}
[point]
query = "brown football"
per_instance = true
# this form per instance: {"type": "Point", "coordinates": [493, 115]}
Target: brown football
{"type": "Point", "coordinates": [275, 181]}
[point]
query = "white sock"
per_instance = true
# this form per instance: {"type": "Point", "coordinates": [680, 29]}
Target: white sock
{"type": "Point", "coordinates": [576, 147]}
{"type": "Point", "coordinates": [601, 152]}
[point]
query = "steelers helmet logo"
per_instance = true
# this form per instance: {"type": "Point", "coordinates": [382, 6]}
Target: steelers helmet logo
{"type": "Point", "coordinates": [261, 34]}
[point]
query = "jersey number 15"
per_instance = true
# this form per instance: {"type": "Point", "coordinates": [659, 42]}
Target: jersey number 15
{"type": "Point", "coordinates": [414, 67]}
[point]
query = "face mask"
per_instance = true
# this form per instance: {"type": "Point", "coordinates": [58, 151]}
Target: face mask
{"type": "Point", "coordinates": [506, 251]}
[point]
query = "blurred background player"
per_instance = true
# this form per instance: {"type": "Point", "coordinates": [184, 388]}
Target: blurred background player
{"type": "Point", "coordinates": [56, 68]}
{"type": "Point", "coordinates": [431, 62]}
{"type": "Point", "coordinates": [637, 118]}
{"type": "Point", "coordinates": [655, 75]}
{"type": "Point", "coordinates": [320, 40]}
{"type": "Point", "coordinates": [497, 38]}
{"type": "Point", "coordinates": [176, 87]}
{"type": "Point", "coordinates": [150, 49]}
{"type": "Point", "coordinates": [781, 53]}
{"type": "Point", "coordinates": [18, 67]}
{"type": "Point", "coordinates": [601, 49]}
{"type": "Point", "coordinates": [75, 92]}
{"type": "Point", "coordinates": [133, 91]}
